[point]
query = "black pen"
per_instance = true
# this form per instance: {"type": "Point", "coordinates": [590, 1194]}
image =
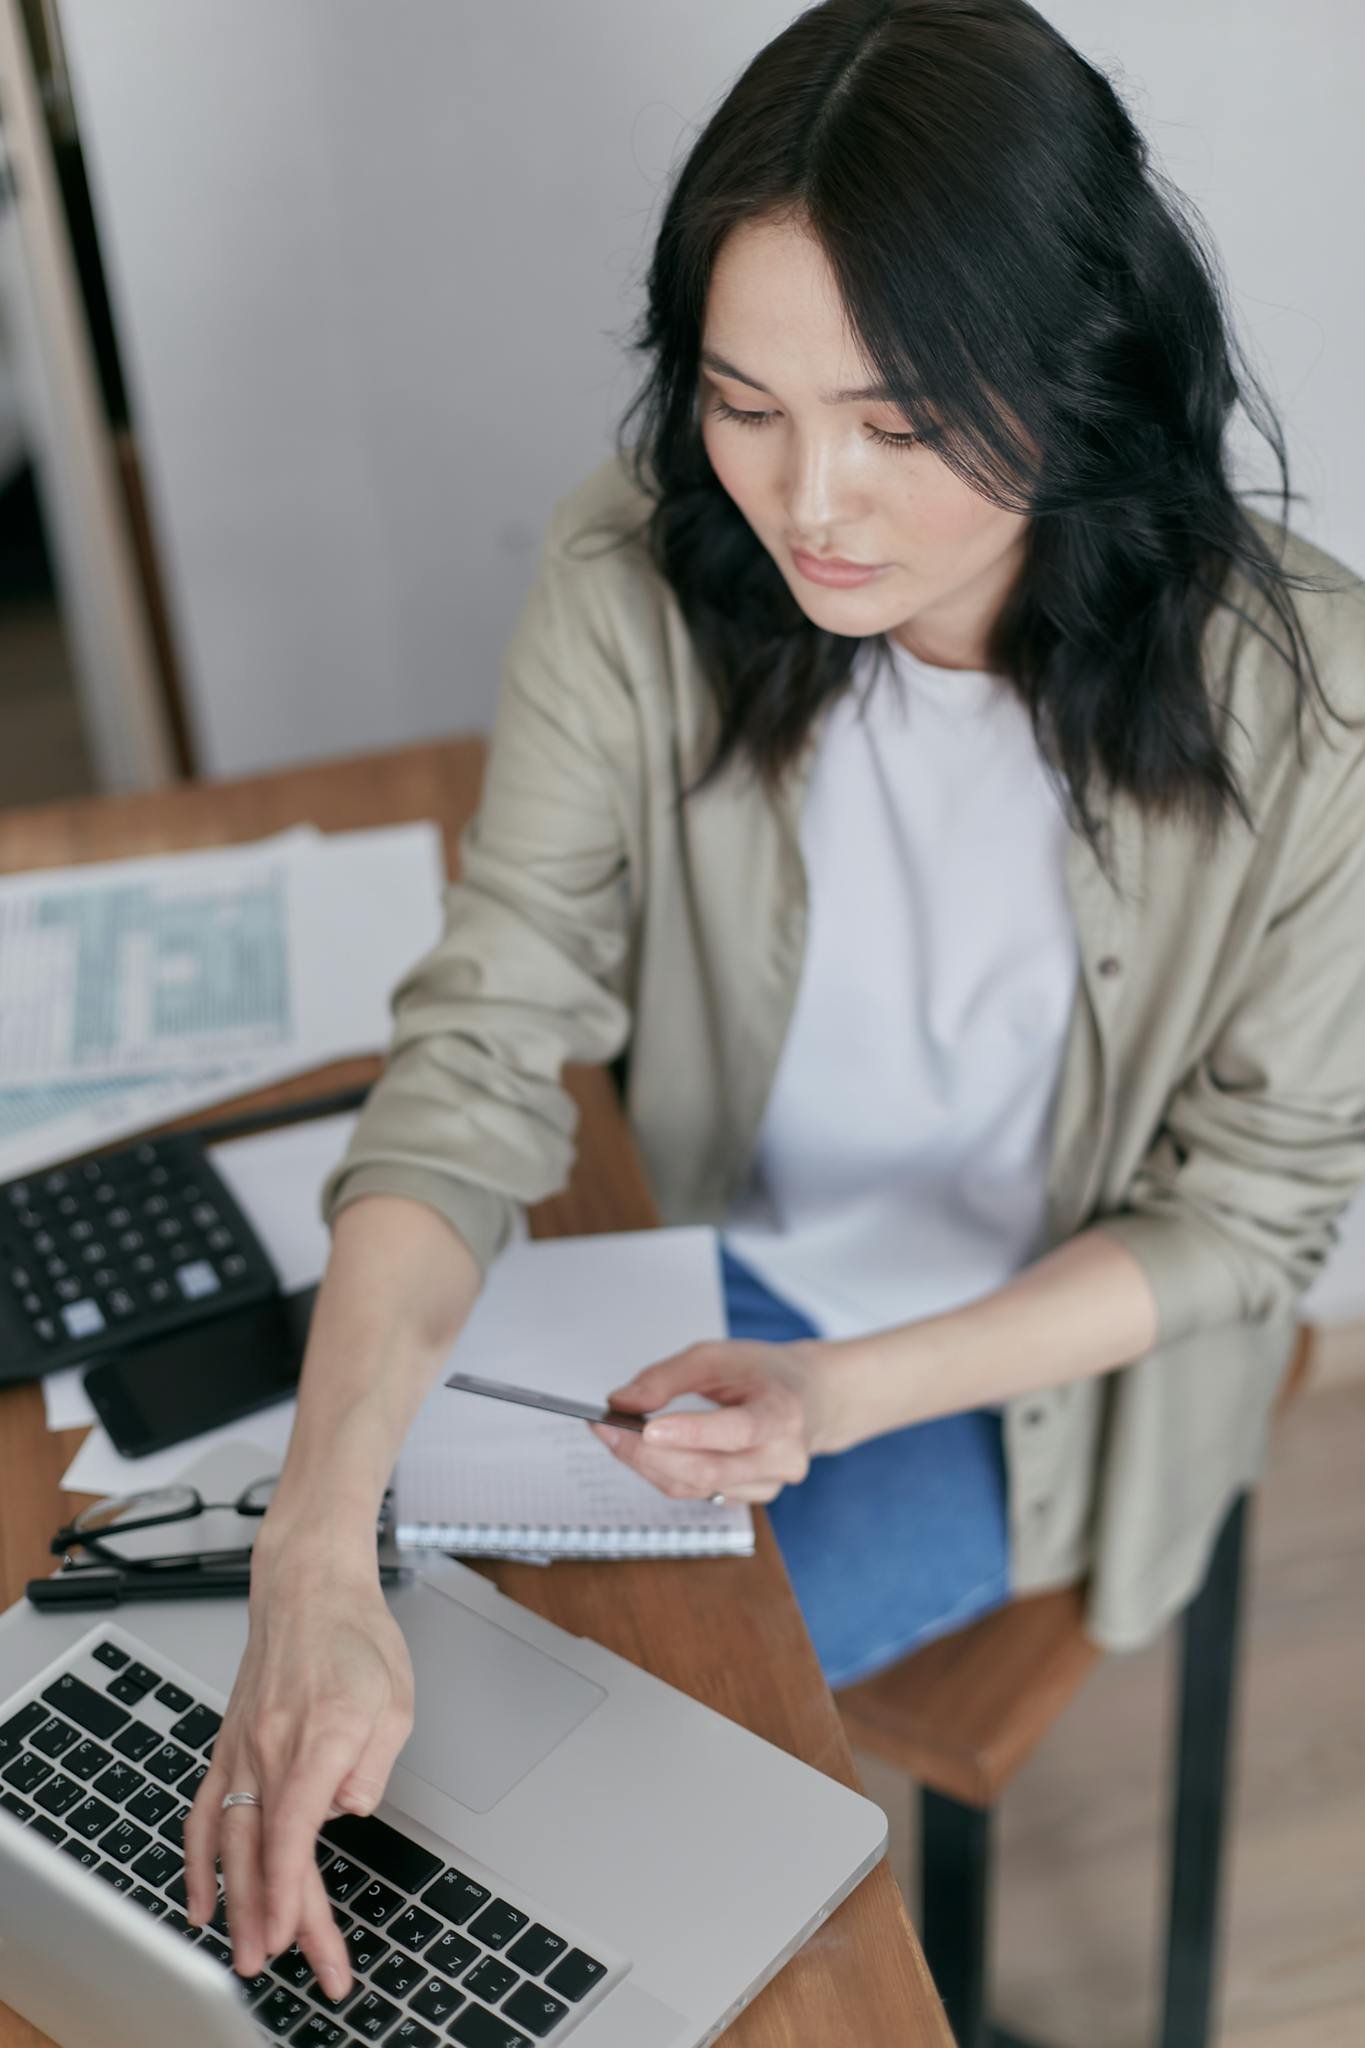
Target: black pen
{"type": "Point", "coordinates": [115, 1588]}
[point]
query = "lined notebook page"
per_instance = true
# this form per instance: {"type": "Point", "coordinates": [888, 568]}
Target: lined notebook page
{"type": "Point", "coordinates": [576, 1316]}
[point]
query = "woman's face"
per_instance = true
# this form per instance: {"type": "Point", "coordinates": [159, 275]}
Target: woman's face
{"type": "Point", "coordinates": [810, 475]}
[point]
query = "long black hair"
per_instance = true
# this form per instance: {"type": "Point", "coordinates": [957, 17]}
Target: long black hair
{"type": "Point", "coordinates": [1024, 281]}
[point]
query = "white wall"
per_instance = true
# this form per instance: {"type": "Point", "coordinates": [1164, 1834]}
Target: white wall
{"type": "Point", "coordinates": [372, 262]}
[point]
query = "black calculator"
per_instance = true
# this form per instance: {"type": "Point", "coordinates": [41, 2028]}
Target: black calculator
{"type": "Point", "coordinates": [98, 1257]}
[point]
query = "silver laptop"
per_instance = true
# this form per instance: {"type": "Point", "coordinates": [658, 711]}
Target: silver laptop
{"type": "Point", "coordinates": [569, 1851]}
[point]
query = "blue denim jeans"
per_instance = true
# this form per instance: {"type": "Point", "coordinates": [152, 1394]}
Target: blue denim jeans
{"type": "Point", "coordinates": [895, 1541]}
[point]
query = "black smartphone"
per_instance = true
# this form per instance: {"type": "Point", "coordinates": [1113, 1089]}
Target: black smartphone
{"type": "Point", "coordinates": [197, 1378]}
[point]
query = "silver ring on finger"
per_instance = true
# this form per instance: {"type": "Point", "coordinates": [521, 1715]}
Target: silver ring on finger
{"type": "Point", "coordinates": [715, 1500]}
{"type": "Point", "coordinates": [239, 1799]}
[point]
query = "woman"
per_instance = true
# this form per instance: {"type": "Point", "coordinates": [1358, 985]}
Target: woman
{"type": "Point", "coordinates": [978, 928]}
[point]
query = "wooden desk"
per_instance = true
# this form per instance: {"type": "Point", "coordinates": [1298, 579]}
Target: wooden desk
{"type": "Point", "coordinates": [728, 1631]}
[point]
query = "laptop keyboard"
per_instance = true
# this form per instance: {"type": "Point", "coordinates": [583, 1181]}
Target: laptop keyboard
{"type": "Point", "coordinates": [103, 1765]}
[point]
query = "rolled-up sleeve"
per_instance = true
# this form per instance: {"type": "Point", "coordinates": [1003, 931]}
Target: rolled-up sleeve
{"type": "Point", "coordinates": [1233, 1211]}
{"type": "Point", "coordinates": [470, 1114]}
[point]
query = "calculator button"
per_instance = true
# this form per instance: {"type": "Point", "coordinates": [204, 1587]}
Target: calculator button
{"type": "Point", "coordinates": [131, 1240]}
{"type": "Point", "coordinates": [103, 1193]}
{"type": "Point", "coordinates": [203, 1213]}
{"type": "Point", "coordinates": [55, 1184]}
{"type": "Point", "coordinates": [144, 1263]}
{"type": "Point", "coordinates": [45, 1328]}
{"type": "Point", "coordinates": [68, 1206]}
{"type": "Point", "coordinates": [120, 1218]}
{"type": "Point", "coordinates": [197, 1280]}
{"type": "Point", "coordinates": [20, 1277]}
{"type": "Point", "coordinates": [169, 1226]}
{"type": "Point", "coordinates": [220, 1240]}
{"type": "Point", "coordinates": [159, 1291]}
{"type": "Point", "coordinates": [82, 1318]}
{"type": "Point", "coordinates": [159, 1176]}
{"type": "Point", "coordinates": [19, 1194]}
{"type": "Point", "coordinates": [44, 1241]}
{"type": "Point", "coordinates": [94, 1254]}
{"type": "Point", "coordinates": [69, 1288]}
{"type": "Point", "coordinates": [121, 1302]}
{"type": "Point", "coordinates": [93, 1170]}
{"type": "Point", "coordinates": [80, 1232]}
{"type": "Point", "coordinates": [105, 1277]}
{"type": "Point", "coordinates": [33, 1304]}
{"type": "Point", "coordinates": [57, 1269]}
{"type": "Point", "coordinates": [234, 1265]}
{"type": "Point", "coordinates": [155, 1205]}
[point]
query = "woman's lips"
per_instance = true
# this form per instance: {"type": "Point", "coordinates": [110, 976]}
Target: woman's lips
{"type": "Point", "coordinates": [842, 575]}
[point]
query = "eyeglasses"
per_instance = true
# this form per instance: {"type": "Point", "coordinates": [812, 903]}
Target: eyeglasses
{"type": "Point", "coordinates": [103, 1528]}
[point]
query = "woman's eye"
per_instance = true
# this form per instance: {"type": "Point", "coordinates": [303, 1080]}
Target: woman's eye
{"type": "Point", "coordinates": [760, 419]}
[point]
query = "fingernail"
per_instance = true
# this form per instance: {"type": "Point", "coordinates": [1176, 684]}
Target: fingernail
{"type": "Point", "coordinates": [663, 1433]}
{"type": "Point", "coordinates": [333, 1983]}
{"type": "Point", "coordinates": [610, 1437]}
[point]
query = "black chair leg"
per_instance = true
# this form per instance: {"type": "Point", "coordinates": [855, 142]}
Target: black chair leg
{"type": "Point", "coordinates": [1208, 1668]}
{"type": "Point", "coordinates": [955, 1875]}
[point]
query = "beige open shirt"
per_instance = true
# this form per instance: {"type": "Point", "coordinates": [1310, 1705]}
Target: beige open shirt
{"type": "Point", "coordinates": [1211, 1110]}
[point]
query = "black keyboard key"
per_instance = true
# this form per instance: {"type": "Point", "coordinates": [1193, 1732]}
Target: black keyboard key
{"type": "Point", "coordinates": [280, 2011]}
{"type": "Point", "coordinates": [124, 1841]}
{"type": "Point", "coordinates": [54, 1737]}
{"type": "Point", "coordinates": [576, 1975]}
{"type": "Point", "coordinates": [413, 1930]}
{"type": "Point", "coordinates": [148, 1900]}
{"type": "Point", "coordinates": [83, 1705]}
{"type": "Point", "coordinates": [318, 2031]}
{"type": "Point", "coordinates": [342, 1878]}
{"type": "Point", "coordinates": [197, 1727]}
{"type": "Point", "coordinates": [58, 1794]}
{"type": "Point", "coordinates": [48, 1829]}
{"type": "Point", "coordinates": [477, 2027]}
{"type": "Point", "coordinates": [120, 1782]}
{"type": "Point", "coordinates": [12, 1803]}
{"type": "Point", "coordinates": [534, 2009]}
{"type": "Point", "coordinates": [489, 1980]}
{"type": "Point", "coordinates": [292, 1967]}
{"type": "Point", "coordinates": [136, 1740]}
{"type": "Point", "coordinates": [172, 1829]}
{"type": "Point", "coordinates": [171, 1696]}
{"type": "Point", "coordinates": [451, 1955]}
{"type": "Point", "coordinates": [80, 1851]}
{"type": "Point", "coordinates": [397, 1974]}
{"type": "Point", "coordinates": [110, 1654]}
{"type": "Point", "coordinates": [371, 2016]}
{"type": "Point", "coordinates": [365, 1949]}
{"type": "Point", "coordinates": [217, 1948]}
{"type": "Point", "coordinates": [436, 2001]}
{"type": "Point", "coordinates": [18, 1726]}
{"type": "Point", "coordinates": [111, 1874]}
{"type": "Point", "coordinates": [132, 1685]}
{"type": "Point", "coordinates": [178, 1924]}
{"type": "Point", "coordinates": [158, 1864]}
{"type": "Point", "coordinates": [375, 1904]}
{"type": "Point", "coordinates": [85, 1759]}
{"type": "Point", "coordinates": [175, 1889]}
{"type": "Point", "coordinates": [25, 1771]}
{"type": "Point", "coordinates": [412, 2034]}
{"type": "Point", "coordinates": [536, 1949]}
{"type": "Point", "coordinates": [169, 1762]}
{"type": "Point", "coordinates": [391, 1855]}
{"type": "Point", "coordinates": [497, 1924]}
{"type": "Point", "coordinates": [151, 1804]}
{"type": "Point", "coordinates": [455, 1896]}
{"type": "Point", "coordinates": [191, 1781]}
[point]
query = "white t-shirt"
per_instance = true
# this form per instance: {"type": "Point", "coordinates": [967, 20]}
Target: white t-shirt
{"type": "Point", "coordinates": [901, 1164]}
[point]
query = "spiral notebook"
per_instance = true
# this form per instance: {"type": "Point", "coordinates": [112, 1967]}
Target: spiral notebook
{"type": "Point", "coordinates": [579, 1316]}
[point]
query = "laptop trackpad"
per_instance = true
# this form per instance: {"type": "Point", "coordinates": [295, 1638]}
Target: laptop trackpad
{"type": "Point", "coordinates": [489, 1705]}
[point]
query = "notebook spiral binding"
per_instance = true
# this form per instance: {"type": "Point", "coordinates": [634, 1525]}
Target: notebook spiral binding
{"type": "Point", "coordinates": [470, 1539]}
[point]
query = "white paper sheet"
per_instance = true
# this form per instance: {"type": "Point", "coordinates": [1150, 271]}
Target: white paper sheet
{"type": "Point", "coordinates": [98, 1468]}
{"type": "Point", "coordinates": [361, 908]}
{"type": "Point", "coordinates": [277, 1177]}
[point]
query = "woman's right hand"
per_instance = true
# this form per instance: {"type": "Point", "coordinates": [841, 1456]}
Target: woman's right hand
{"type": "Point", "coordinates": [320, 1709]}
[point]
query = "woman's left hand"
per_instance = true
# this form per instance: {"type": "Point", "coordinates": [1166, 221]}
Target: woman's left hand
{"type": "Point", "coordinates": [774, 1415]}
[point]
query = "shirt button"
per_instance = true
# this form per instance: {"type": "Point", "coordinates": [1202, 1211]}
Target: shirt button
{"type": "Point", "coordinates": [1033, 1416]}
{"type": "Point", "coordinates": [1110, 966]}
